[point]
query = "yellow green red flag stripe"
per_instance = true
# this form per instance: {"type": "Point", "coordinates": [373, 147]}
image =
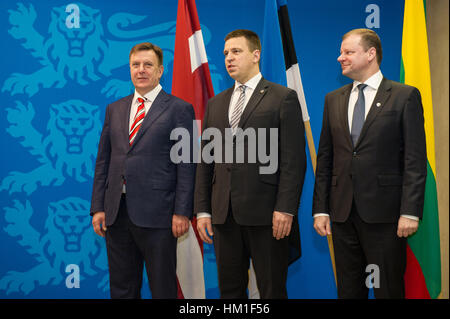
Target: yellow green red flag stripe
{"type": "Point", "coordinates": [423, 271]}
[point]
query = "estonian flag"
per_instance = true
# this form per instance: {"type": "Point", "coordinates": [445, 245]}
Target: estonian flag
{"type": "Point", "coordinates": [279, 60]}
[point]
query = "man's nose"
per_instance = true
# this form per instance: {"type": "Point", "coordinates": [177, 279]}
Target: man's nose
{"type": "Point", "coordinates": [340, 58]}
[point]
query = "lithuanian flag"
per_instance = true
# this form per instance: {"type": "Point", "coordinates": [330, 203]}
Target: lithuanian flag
{"type": "Point", "coordinates": [423, 270]}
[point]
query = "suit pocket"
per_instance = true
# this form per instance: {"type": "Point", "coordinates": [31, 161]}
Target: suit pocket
{"type": "Point", "coordinates": [263, 117]}
{"type": "Point", "coordinates": [269, 113]}
{"type": "Point", "coordinates": [390, 180]}
{"type": "Point", "coordinates": [164, 184]}
{"type": "Point", "coordinates": [271, 179]}
{"type": "Point", "coordinates": [388, 113]}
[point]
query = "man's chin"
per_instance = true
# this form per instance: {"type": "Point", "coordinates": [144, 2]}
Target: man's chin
{"type": "Point", "coordinates": [232, 74]}
{"type": "Point", "coordinates": [143, 89]}
{"type": "Point", "coordinates": [346, 72]}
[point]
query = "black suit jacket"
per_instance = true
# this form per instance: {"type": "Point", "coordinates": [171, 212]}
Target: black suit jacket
{"type": "Point", "coordinates": [254, 196]}
{"type": "Point", "coordinates": [385, 172]}
{"type": "Point", "coordinates": [156, 186]}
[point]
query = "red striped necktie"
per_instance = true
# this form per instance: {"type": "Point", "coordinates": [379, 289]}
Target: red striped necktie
{"type": "Point", "coordinates": [138, 119]}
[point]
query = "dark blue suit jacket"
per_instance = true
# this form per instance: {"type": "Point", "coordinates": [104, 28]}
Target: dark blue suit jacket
{"type": "Point", "coordinates": [156, 187]}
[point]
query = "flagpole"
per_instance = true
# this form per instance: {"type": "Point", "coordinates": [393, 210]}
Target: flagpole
{"type": "Point", "coordinates": [312, 150]}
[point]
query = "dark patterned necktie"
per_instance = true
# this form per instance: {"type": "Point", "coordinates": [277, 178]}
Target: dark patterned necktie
{"type": "Point", "coordinates": [358, 114]}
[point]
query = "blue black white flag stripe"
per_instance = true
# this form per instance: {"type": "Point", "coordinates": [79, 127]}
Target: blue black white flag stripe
{"type": "Point", "coordinates": [278, 51]}
{"type": "Point", "coordinates": [294, 79]}
{"type": "Point", "coordinates": [279, 64]}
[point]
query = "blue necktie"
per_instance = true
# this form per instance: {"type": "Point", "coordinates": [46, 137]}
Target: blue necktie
{"type": "Point", "coordinates": [358, 115]}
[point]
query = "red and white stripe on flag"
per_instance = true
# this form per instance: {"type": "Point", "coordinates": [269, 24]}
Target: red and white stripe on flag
{"type": "Point", "coordinates": [192, 83]}
{"type": "Point", "coordinates": [191, 78]}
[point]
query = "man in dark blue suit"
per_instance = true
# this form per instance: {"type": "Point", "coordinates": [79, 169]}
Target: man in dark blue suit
{"type": "Point", "coordinates": [142, 200]}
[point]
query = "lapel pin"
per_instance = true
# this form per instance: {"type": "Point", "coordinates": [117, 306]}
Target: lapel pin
{"type": "Point", "coordinates": [378, 104]}
{"type": "Point", "coordinates": [262, 91]}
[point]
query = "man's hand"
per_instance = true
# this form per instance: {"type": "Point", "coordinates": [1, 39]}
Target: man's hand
{"type": "Point", "coordinates": [180, 225]}
{"type": "Point", "coordinates": [322, 225]}
{"type": "Point", "coordinates": [98, 222]}
{"type": "Point", "coordinates": [281, 224]}
{"type": "Point", "coordinates": [406, 226]}
{"type": "Point", "coordinates": [204, 227]}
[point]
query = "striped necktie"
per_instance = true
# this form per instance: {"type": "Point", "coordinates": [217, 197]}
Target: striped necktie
{"type": "Point", "coordinates": [138, 119]}
{"type": "Point", "coordinates": [237, 110]}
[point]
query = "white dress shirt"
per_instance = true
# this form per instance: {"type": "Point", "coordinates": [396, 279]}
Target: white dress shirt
{"type": "Point", "coordinates": [148, 100]}
{"type": "Point", "coordinates": [369, 95]}
{"type": "Point", "coordinates": [250, 88]}
{"type": "Point", "coordinates": [370, 91]}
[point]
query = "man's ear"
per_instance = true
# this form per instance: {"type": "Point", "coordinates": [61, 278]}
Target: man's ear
{"type": "Point", "coordinates": [372, 54]}
{"type": "Point", "coordinates": [161, 70]}
{"type": "Point", "coordinates": [256, 56]}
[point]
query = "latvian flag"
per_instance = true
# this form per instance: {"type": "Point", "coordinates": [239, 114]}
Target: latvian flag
{"type": "Point", "coordinates": [192, 83]}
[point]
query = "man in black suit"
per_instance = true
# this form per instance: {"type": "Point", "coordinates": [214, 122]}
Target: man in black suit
{"type": "Point", "coordinates": [250, 208]}
{"type": "Point", "coordinates": [371, 171]}
{"type": "Point", "coordinates": [142, 199]}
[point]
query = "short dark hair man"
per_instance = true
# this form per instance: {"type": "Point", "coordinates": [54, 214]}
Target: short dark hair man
{"type": "Point", "coordinates": [251, 214]}
{"type": "Point", "coordinates": [371, 171]}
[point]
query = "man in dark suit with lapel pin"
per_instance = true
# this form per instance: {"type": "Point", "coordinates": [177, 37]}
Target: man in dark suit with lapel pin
{"type": "Point", "coordinates": [142, 200]}
{"type": "Point", "coordinates": [371, 172]}
{"type": "Point", "coordinates": [251, 212]}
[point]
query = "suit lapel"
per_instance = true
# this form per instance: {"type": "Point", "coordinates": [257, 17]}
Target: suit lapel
{"type": "Point", "coordinates": [256, 97]}
{"type": "Point", "coordinates": [383, 93]}
{"type": "Point", "coordinates": [343, 112]}
{"type": "Point", "coordinates": [158, 107]}
{"type": "Point", "coordinates": [125, 110]}
{"type": "Point", "coordinates": [224, 107]}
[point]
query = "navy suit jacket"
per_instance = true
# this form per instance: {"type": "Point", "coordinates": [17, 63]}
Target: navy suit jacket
{"type": "Point", "coordinates": [156, 187]}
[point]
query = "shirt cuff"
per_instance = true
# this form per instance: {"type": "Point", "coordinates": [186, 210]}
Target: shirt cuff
{"type": "Point", "coordinates": [203, 215]}
{"type": "Point", "coordinates": [411, 217]}
{"type": "Point", "coordinates": [321, 214]}
{"type": "Point", "coordinates": [287, 214]}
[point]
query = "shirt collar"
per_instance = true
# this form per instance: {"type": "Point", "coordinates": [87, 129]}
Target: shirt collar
{"type": "Point", "coordinates": [374, 81]}
{"type": "Point", "coordinates": [149, 96]}
{"type": "Point", "coordinates": [252, 83]}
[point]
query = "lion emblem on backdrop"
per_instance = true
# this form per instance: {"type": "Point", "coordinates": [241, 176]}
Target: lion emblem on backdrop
{"type": "Point", "coordinates": [67, 239]}
{"type": "Point", "coordinates": [83, 54]}
{"type": "Point", "coordinates": [71, 53]}
{"type": "Point", "coordinates": [67, 150]}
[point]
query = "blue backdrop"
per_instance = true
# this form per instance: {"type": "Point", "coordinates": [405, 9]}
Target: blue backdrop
{"type": "Point", "coordinates": [55, 84]}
